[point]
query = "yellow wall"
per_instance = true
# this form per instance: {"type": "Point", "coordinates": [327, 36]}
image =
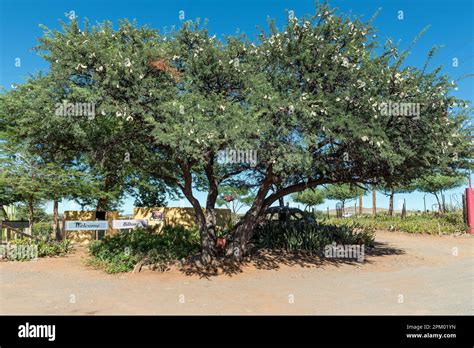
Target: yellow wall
{"type": "Point", "coordinates": [178, 216]}
{"type": "Point", "coordinates": [172, 217]}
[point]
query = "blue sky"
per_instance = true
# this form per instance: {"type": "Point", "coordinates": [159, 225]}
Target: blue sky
{"type": "Point", "coordinates": [451, 25]}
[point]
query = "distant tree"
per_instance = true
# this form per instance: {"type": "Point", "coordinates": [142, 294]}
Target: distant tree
{"type": "Point", "coordinates": [437, 184]}
{"type": "Point", "coordinates": [234, 198]}
{"type": "Point", "coordinates": [310, 198]}
{"type": "Point", "coordinates": [38, 152]}
{"type": "Point", "coordinates": [148, 192]}
{"type": "Point", "coordinates": [390, 190]}
{"type": "Point", "coordinates": [31, 181]}
{"type": "Point", "coordinates": [39, 213]}
{"type": "Point", "coordinates": [21, 174]}
{"type": "Point", "coordinates": [343, 192]}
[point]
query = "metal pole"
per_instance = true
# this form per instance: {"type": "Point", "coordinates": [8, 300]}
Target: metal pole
{"type": "Point", "coordinates": [470, 207]}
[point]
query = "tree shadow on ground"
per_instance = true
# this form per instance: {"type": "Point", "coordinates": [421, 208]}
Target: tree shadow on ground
{"type": "Point", "coordinates": [274, 259]}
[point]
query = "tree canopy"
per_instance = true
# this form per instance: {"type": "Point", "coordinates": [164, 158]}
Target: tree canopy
{"type": "Point", "coordinates": [310, 197]}
{"type": "Point", "coordinates": [318, 102]}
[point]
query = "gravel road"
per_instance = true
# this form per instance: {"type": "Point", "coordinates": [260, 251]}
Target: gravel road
{"type": "Point", "coordinates": [406, 274]}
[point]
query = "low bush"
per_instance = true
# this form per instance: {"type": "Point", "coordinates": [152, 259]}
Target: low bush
{"type": "Point", "coordinates": [122, 251]}
{"type": "Point", "coordinates": [42, 229]}
{"type": "Point", "coordinates": [312, 237]}
{"type": "Point", "coordinates": [21, 249]}
{"type": "Point", "coordinates": [424, 223]}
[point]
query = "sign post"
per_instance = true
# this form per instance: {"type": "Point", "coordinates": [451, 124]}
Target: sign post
{"type": "Point", "coordinates": [85, 225]}
{"type": "Point", "coordinates": [128, 224]}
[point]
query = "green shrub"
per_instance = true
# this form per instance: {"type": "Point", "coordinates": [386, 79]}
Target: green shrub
{"type": "Point", "coordinates": [42, 229]}
{"type": "Point", "coordinates": [423, 223]}
{"type": "Point", "coordinates": [120, 252]}
{"type": "Point", "coordinates": [312, 237]}
{"type": "Point", "coordinates": [45, 248]}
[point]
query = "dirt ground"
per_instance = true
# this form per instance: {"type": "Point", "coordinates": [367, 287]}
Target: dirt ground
{"type": "Point", "coordinates": [405, 274]}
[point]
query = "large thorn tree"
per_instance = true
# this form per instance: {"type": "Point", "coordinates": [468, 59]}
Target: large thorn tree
{"type": "Point", "coordinates": [311, 99]}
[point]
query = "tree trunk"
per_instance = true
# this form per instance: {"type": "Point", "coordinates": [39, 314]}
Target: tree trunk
{"type": "Point", "coordinates": [102, 204]}
{"type": "Point", "coordinates": [207, 243]}
{"type": "Point", "coordinates": [242, 233]}
{"type": "Point", "coordinates": [374, 202]}
{"type": "Point", "coordinates": [390, 204]}
{"type": "Point", "coordinates": [30, 215]}
{"type": "Point", "coordinates": [440, 208]}
{"type": "Point", "coordinates": [240, 236]}
{"type": "Point", "coordinates": [206, 221]}
{"type": "Point", "coordinates": [56, 219]}
{"type": "Point", "coordinates": [209, 239]}
{"type": "Point", "coordinates": [361, 210]}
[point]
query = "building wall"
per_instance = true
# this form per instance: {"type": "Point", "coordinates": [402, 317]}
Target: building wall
{"type": "Point", "coordinates": [163, 216]}
{"type": "Point", "coordinates": [83, 215]}
{"type": "Point", "coordinates": [178, 216]}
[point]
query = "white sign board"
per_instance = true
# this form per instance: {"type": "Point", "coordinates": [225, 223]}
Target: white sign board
{"type": "Point", "coordinates": [86, 225]}
{"type": "Point", "coordinates": [126, 224]}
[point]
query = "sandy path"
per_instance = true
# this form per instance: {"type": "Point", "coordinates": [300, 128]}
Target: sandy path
{"type": "Point", "coordinates": [422, 269]}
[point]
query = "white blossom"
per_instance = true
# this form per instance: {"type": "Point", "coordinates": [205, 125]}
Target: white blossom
{"type": "Point", "coordinates": [345, 62]}
{"type": "Point", "coordinates": [81, 66]}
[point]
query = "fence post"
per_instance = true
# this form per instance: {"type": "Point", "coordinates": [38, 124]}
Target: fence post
{"type": "Point", "coordinates": [464, 211]}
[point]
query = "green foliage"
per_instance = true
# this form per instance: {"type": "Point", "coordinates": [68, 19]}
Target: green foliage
{"type": "Point", "coordinates": [425, 223]}
{"type": "Point", "coordinates": [39, 214]}
{"type": "Point", "coordinates": [46, 247]}
{"type": "Point", "coordinates": [343, 192]}
{"type": "Point", "coordinates": [310, 198]}
{"type": "Point", "coordinates": [311, 237]}
{"type": "Point", "coordinates": [43, 230]}
{"type": "Point", "coordinates": [309, 97]}
{"type": "Point", "coordinates": [122, 251]}
{"type": "Point", "coordinates": [439, 183]}
{"type": "Point", "coordinates": [148, 192]}
{"type": "Point", "coordinates": [234, 198]}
